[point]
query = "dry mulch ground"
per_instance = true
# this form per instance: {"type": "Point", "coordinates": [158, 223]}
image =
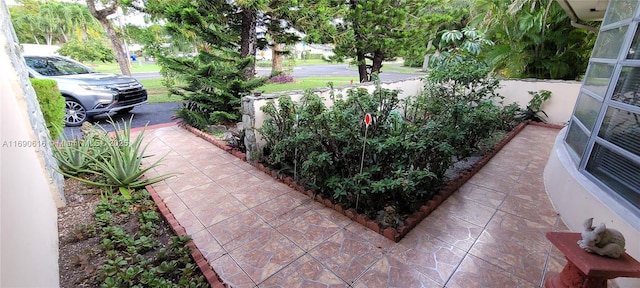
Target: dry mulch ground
{"type": "Point", "coordinates": [78, 252]}
{"type": "Point", "coordinates": [79, 243]}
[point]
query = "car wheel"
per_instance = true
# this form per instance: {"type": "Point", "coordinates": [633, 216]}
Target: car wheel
{"type": "Point", "coordinates": [75, 114]}
{"type": "Point", "coordinates": [125, 110]}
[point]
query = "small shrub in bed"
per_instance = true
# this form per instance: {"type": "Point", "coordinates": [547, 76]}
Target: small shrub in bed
{"type": "Point", "coordinates": [410, 143]}
{"type": "Point", "coordinates": [281, 78]}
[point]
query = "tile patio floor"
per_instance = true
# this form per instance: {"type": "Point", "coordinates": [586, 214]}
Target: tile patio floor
{"type": "Point", "coordinates": [256, 231]}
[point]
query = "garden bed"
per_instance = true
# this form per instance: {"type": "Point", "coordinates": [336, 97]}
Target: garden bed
{"type": "Point", "coordinates": [394, 234]}
{"type": "Point", "coordinates": [85, 262]}
{"type": "Point", "coordinates": [115, 231]}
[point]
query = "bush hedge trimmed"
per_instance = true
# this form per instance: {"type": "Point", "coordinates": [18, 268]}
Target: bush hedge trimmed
{"type": "Point", "coordinates": [51, 103]}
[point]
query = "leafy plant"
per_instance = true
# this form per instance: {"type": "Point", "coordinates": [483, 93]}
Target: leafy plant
{"type": "Point", "coordinates": [51, 104]}
{"type": "Point", "coordinates": [533, 109]}
{"type": "Point", "coordinates": [534, 39]}
{"type": "Point", "coordinates": [322, 147]}
{"type": "Point", "coordinates": [128, 260]}
{"type": "Point", "coordinates": [120, 164]}
{"type": "Point", "coordinates": [410, 144]}
{"type": "Point", "coordinates": [75, 157]}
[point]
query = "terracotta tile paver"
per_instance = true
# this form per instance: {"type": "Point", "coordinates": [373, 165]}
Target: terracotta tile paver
{"type": "Point", "coordinates": [393, 272]}
{"type": "Point", "coordinates": [256, 231]}
{"type": "Point", "coordinates": [349, 253]}
{"type": "Point", "coordinates": [302, 273]}
{"type": "Point", "coordinates": [309, 229]}
{"type": "Point", "coordinates": [265, 254]}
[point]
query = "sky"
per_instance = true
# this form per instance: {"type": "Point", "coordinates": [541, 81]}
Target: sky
{"type": "Point", "coordinates": [134, 17]}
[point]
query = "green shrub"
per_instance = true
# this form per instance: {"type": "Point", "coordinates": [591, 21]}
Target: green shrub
{"type": "Point", "coordinates": [323, 148]}
{"type": "Point", "coordinates": [410, 144]}
{"type": "Point", "coordinates": [214, 86]}
{"type": "Point", "coordinates": [413, 61]}
{"type": "Point", "coordinates": [87, 50]}
{"type": "Point", "coordinates": [460, 98]}
{"type": "Point", "coordinates": [533, 109]}
{"type": "Point", "coordinates": [51, 103]}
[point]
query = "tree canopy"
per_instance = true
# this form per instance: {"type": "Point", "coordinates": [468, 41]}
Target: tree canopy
{"type": "Point", "coordinates": [51, 22]}
{"type": "Point", "coordinates": [534, 39]}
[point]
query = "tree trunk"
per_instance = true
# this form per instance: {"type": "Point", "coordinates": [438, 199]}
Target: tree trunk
{"type": "Point", "coordinates": [101, 16]}
{"type": "Point", "coordinates": [84, 32]}
{"type": "Point", "coordinates": [377, 62]}
{"type": "Point", "coordinates": [121, 56]}
{"type": "Point", "coordinates": [64, 36]}
{"type": "Point", "coordinates": [276, 57]}
{"type": "Point", "coordinates": [249, 40]}
{"type": "Point", "coordinates": [360, 57]}
{"type": "Point", "coordinates": [362, 67]}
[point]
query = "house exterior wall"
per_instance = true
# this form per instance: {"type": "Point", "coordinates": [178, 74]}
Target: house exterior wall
{"type": "Point", "coordinates": [28, 214]}
{"type": "Point", "coordinates": [577, 198]}
{"type": "Point", "coordinates": [559, 107]}
{"type": "Point", "coordinates": [606, 111]}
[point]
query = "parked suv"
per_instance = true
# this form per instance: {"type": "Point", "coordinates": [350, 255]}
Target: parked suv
{"type": "Point", "coordinates": [87, 92]}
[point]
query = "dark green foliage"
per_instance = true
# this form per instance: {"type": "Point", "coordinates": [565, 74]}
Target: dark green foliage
{"type": "Point", "coordinates": [136, 257]}
{"type": "Point", "coordinates": [415, 61]}
{"type": "Point", "coordinates": [323, 148]}
{"type": "Point", "coordinates": [534, 39]}
{"type": "Point", "coordinates": [87, 50]}
{"type": "Point", "coordinates": [533, 109]}
{"type": "Point", "coordinates": [51, 104]}
{"type": "Point", "coordinates": [215, 77]}
{"type": "Point", "coordinates": [409, 146]}
{"type": "Point", "coordinates": [214, 87]}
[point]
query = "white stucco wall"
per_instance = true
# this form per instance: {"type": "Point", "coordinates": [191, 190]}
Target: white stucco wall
{"type": "Point", "coordinates": [577, 198]}
{"type": "Point", "coordinates": [559, 107]}
{"type": "Point", "coordinates": [28, 214]}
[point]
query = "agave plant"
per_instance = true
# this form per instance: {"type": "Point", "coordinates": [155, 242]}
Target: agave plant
{"type": "Point", "coordinates": [121, 164]}
{"type": "Point", "coordinates": [74, 157]}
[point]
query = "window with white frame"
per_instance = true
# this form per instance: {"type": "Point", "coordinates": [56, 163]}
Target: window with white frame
{"type": "Point", "coordinates": [604, 132]}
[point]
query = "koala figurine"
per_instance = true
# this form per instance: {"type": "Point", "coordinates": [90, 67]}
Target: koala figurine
{"type": "Point", "coordinates": [602, 241]}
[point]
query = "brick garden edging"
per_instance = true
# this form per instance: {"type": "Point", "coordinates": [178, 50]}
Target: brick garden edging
{"type": "Point", "coordinates": [206, 269]}
{"type": "Point", "coordinates": [410, 222]}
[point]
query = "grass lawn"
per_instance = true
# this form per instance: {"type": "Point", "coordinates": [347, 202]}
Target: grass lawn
{"type": "Point", "coordinates": [114, 68]}
{"type": "Point", "coordinates": [308, 83]}
{"type": "Point", "coordinates": [157, 92]}
{"type": "Point", "coordinates": [398, 67]}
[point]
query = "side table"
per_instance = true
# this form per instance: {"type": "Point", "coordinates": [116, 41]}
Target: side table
{"type": "Point", "coordinates": [587, 270]}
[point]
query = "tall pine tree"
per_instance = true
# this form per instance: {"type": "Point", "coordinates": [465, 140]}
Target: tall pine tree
{"type": "Point", "coordinates": [216, 79]}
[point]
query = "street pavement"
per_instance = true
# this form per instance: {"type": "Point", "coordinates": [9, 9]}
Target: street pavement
{"type": "Point", "coordinates": [151, 114]}
{"type": "Point", "coordinates": [338, 70]}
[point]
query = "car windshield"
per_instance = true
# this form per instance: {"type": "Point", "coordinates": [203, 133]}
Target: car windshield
{"type": "Point", "coordinates": [54, 66]}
